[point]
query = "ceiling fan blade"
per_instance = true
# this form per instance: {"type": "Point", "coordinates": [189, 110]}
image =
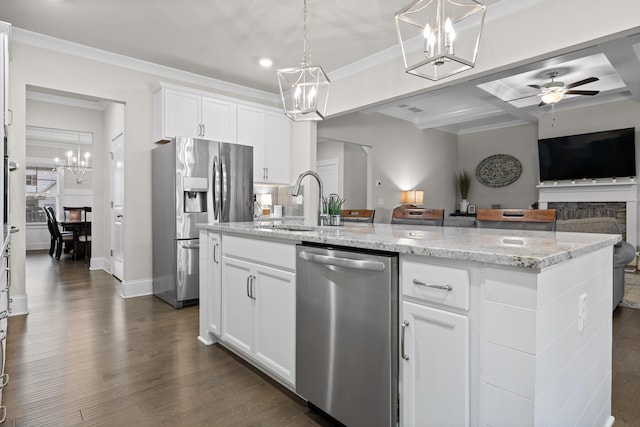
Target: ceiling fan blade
{"type": "Point", "coordinates": [522, 97]}
{"type": "Point", "coordinates": [535, 86]}
{"type": "Point", "coordinates": [582, 92]}
{"type": "Point", "coordinates": [583, 82]}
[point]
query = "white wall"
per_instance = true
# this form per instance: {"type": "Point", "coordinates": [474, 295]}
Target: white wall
{"type": "Point", "coordinates": [403, 158]}
{"type": "Point", "coordinates": [520, 142]}
{"type": "Point", "coordinates": [44, 68]}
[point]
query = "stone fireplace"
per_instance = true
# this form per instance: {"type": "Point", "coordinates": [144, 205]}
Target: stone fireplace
{"type": "Point", "coordinates": [595, 199]}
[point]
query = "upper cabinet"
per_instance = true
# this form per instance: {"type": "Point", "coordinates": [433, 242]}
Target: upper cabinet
{"type": "Point", "coordinates": [268, 132]}
{"type": "Point", "coordinates": [184, 113]}
{"type": "Point", "coordinates": [187, 112]}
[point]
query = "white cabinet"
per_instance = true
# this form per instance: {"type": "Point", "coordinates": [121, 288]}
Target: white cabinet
{"type": "Point", "coordinates": [258, 303]}
{"type": "Point", "coordinates": [184, 113]}
{"type": "Point", "coordinates": [435, 367]}
{"type": "Point", "coordinates": [435, 343]}
{"type": "Point", "coordinates": [210, 286]}
{"type": "Point", "coordinates": [268, 132]}
{"type": "Point", "coordinates": [258, 314]}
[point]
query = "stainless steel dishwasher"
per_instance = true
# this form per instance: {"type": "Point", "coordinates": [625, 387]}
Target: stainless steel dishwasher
{"type": "Point", "coordinates": [347, 333]}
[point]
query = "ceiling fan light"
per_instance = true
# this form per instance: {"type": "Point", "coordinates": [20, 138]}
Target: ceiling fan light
{"type": "Point", "coordinates": [552, 97]}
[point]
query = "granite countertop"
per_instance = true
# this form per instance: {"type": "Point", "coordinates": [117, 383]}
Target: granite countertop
{"type": "Point", "coordinates": [516, 248]}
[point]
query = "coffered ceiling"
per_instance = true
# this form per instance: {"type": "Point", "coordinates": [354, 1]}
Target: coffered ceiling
{"type": "Point", "coordinates": [225, 39]}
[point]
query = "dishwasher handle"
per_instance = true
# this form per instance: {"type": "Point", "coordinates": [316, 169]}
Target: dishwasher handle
{"type": "Point", "coordinates": [356, 264]}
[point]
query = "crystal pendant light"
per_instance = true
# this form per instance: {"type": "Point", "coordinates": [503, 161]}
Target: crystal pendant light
{"type": "Point", "coordinates": [304, 90]}
{"type": "Point", "coordinates": [440, 38]}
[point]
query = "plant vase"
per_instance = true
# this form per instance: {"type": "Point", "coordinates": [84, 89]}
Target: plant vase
{"type": "Point", "coordinates": [335, 220]}
{"type": "Point", "coordinates": [464, 205]}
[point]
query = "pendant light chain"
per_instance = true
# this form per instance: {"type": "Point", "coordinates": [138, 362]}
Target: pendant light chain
{"type": "Point", "coordinates": [306, 56]}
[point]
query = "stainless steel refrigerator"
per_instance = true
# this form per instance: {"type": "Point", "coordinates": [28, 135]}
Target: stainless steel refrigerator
{"type": "Point", "coordinates": [193, 181]}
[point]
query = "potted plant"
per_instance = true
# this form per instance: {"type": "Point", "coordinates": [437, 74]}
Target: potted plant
{"type": "Point", "coordinates": [334, 207]}
{"type": "Point", "coordinates": [464, 183]}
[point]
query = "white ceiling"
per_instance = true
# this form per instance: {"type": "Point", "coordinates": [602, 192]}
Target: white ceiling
{"type": "Point", "coordinates": [225, 39]}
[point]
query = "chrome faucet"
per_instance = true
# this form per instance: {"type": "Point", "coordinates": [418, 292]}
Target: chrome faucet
{"type": "Point", "coordinates": [296, 191]}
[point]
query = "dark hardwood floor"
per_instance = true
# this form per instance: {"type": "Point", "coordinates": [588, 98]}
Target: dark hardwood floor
{"type": "Point", "coordinates": [86, 357]}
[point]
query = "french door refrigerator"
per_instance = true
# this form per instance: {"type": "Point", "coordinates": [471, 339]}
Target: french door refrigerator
{"type": "Point", "coordinates": [193, 181]}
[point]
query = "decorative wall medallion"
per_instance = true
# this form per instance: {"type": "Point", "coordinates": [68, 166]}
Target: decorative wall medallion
{"type": "Point", "coordinates": [498, 170]}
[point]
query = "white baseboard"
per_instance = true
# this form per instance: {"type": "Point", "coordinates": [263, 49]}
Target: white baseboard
{"type": "Point", "coordinates": [18, 305]}
{"type": "Point", "coordinates": [38, 246]}
{"type": "Point", "coordinates": [136, 288]}
{"type": "Point", "coordinates": [100, 263]}
{"type": "Point", "coordinates": [209, 340]}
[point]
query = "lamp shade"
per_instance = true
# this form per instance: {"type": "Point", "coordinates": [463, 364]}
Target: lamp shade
{"type": "Point", "coordinates": [266, 200]}
{"type": "Point", "coordinates": [412, 197]}
{"type": "Point", "coordinates": [439, 38]}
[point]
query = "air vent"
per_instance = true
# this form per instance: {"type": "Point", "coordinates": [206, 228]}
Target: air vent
{"type": "Point", "coordinates": [403, 105]}
{"type": "Point", "coordinates": [414, 109]}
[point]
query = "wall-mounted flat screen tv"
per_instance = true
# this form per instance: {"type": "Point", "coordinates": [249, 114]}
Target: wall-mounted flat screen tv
{"type": "Point", "coordinates": [604, 154]}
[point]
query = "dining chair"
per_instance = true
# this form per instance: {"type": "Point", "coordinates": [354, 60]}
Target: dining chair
{"type": "Point", "coordinates": [60, 237]}
{"type": "Point", "coordinates": [358, 215]}
{"type": "Point", "coordinates": [517, 219]}
{"type": "Point", "coordinates": [417, 216]}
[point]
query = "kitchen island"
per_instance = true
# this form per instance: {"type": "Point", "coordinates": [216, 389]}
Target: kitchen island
{"type": "Point", "coordinates": [497, 327]}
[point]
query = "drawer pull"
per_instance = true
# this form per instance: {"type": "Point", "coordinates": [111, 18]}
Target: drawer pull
{"type": "Point", "coordinates": [4, 380]}
{"type": "Point", "coordinates": [405, 325]}
{"type": "Point", "coordinates": [447, 288]}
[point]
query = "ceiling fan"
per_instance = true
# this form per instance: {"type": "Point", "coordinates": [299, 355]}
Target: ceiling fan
{"type": "Point", "coordinates": [554, 91]}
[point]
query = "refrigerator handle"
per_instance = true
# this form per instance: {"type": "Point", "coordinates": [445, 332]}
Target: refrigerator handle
{"type": "Point", "coordinates": [225, 184]}
{"type": "Point", "coordinates": [216, 188]}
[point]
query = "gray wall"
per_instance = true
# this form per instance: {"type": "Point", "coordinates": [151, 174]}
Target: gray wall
{"type": "Point", "coordinates": [403, 158]}
{"type": "Point", "coordinates": [355, 176]}
{"type": "Point", "coordinates": [520, 142]}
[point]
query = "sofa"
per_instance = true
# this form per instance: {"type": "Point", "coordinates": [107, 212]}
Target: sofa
{"type": "Point", "coordinates": [623, 252]}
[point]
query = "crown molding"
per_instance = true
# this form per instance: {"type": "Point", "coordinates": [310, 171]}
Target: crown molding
{"type": "Point", "coordinates": [30, 38]}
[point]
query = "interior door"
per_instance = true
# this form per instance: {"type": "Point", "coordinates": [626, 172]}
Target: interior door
{"type": "Point", "coordinates": [117, 205]}
{"type": "Point", "coordinates": [328, 171]}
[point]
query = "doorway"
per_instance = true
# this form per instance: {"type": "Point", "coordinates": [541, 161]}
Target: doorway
{"type": "Point", "coordinates": [345, 169]}
{"type": "Point", "coordinates": [102, 119]}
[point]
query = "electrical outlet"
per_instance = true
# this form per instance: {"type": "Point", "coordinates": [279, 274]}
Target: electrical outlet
{"type": "Point", "coordinates": [380, 201]}
{"type": "Point", "coordinates": [582, 312]}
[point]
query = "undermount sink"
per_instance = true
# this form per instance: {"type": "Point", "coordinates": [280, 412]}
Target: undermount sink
{"type": "Point", "coordinates": [287, 227]}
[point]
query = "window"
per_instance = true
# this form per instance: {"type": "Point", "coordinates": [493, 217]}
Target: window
{"type": "Point", "coordinates": [40, 191]}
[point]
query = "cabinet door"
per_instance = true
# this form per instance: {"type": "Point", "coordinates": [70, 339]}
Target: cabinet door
{"type": "Point", "coordinates": [277, 147]}
{"type": "Point", "coordinates": [215, 288]}
{"type": "Point", "coordinates": [251, 132]}
{"type": "Point", "coordinates": [276, 321]}
{"type": "Point", "coordinates": [435, 378]}
{"type": "Point", "coordinates": [181, 114]}
{"type": "Point", "coordinates": [218, 120]}
{"type": "Point", "coordinates": [204, 285]}
{"type": "Point", "coordinates": [237, 306]}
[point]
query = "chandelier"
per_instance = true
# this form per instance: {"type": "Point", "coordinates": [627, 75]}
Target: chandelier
{"type": "Point", "coordinates": [304, 90]}
{"type": "Point", "coordinates": [440, 38]}
{"type": "Point", "coordinates": [77, 165]}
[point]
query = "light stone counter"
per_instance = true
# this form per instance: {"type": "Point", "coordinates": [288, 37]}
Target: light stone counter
{"type": "Point", "coordinates": [533, 250]}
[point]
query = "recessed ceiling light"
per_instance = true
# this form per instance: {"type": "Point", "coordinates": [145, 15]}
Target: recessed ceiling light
{"type": "Point", "coordinates": [265, 62]}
